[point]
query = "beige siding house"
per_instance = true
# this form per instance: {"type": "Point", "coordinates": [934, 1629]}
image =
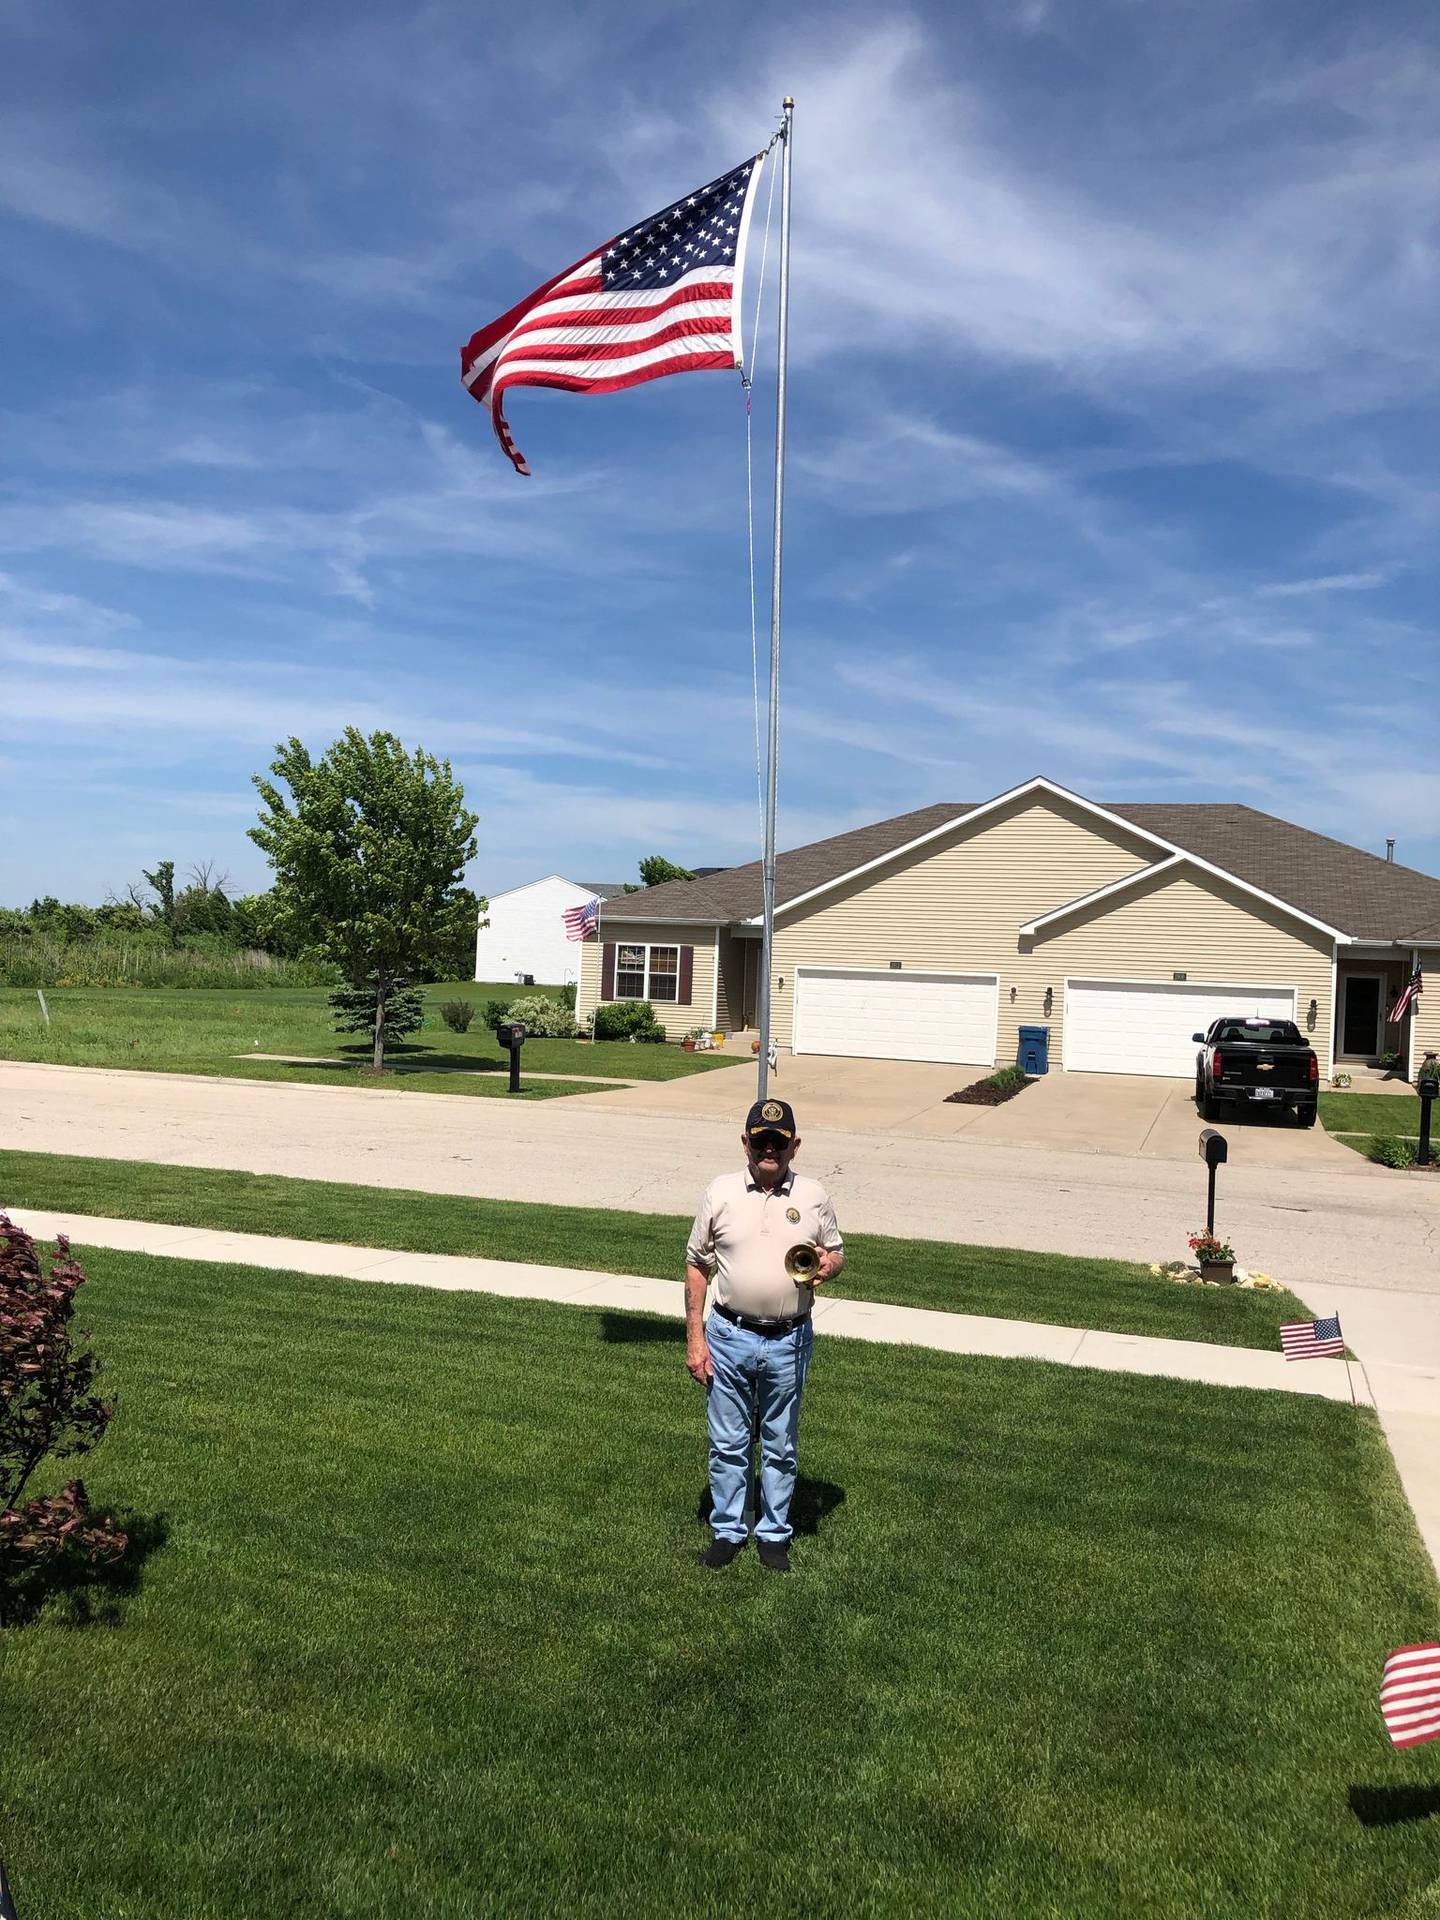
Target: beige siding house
{"type": "Point", "coordinates": [1119, 930]}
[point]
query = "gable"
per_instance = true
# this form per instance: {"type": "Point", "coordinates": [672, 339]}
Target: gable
{"type": "Point", "coordinates": [987, 876]}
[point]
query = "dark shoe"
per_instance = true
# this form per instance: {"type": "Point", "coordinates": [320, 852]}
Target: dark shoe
{"type": "Point", "coordinates": [774, 1555]}
{"type": "Point", "coordinates": [721, 1553]}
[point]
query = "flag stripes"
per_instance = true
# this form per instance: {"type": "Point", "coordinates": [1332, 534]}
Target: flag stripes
{"type": "Point", "coordinates": [661, 298]}
{"type": "Point", "coordinates": [1410, 1694]}
{"type": "Point", "coordinates": [1414, 988]}
{"type": "Point", "coordinates": [1311, 1339]}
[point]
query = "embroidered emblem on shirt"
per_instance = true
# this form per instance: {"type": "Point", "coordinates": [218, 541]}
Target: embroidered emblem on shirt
{"type": "Point", "coordinates": [772, 1110]}
{"type": "Point", "coordinates": [792, 1214]}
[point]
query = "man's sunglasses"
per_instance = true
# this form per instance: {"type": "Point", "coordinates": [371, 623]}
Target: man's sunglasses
{"type": "Point", "coordinates": [769, 1142]}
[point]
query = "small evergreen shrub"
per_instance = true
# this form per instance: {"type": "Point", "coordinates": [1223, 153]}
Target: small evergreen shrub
{"type": "Point", "coordinates": [545, 1018]}
{"type": "Point", "coordinates": [628, 1020]}
{"type": "Point", "coordinates": [495, 1012]}
{"type": "Point", "coordinates": [354, 1009]}
{"type": "Point", "coordinates": [567, 995]}
{"type": "Point", "coordinates": [457, 1014]}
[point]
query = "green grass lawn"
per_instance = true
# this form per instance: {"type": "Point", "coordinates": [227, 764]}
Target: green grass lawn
{"type": "Point", "coordinates": [1370, 1113]}
{"type": "Point", "coordinates": [417, 1634]}
{"type": "Point", "coordinates": [187, 1030]}
{"type": "Point", "coordinates": [1359, 1120]}
{"type": "Point", "coordinates": [1059, 1289]}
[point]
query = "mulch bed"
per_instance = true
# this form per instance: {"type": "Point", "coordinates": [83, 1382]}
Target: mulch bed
{"type": "Point", "coordinates": [981, 1095]}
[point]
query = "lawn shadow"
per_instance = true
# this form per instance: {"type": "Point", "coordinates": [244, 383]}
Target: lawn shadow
{"type": "Point", "coordinates": [72, 1593]}
{"type": "Point", "coordinates": [1392, 1806]}
{"type": "Point", "coordinates": [643, 1328]}
{"type": "Point", "coordinates": [814, 1502]}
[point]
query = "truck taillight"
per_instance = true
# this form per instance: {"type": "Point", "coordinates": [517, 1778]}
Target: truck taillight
{"type": "Point", "coordinates": [1314, 1071]}
{"type": "Point", "coordinates": [1217, 1063]}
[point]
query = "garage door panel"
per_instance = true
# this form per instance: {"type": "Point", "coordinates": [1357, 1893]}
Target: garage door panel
{"type": "Point", "coordinates": [1124, 1026]}
{"type": "Point", "coordinates": [896, 1016]}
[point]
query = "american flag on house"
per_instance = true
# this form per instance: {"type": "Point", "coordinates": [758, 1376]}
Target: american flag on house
{"type": "Point", "coordinates": [1312, 1339]}
{"type": "Point", "coordinates": [1415, 986]}
{"type": "Point", "coordinates": [583, 922]}
{"type": "Point", "coordinates": [662, 297]}
{"type": "Point", "coordinates": [1410, 1694]}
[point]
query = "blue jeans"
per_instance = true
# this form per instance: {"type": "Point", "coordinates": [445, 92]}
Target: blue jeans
{"type": "Point", "coordinates": [750, 1370]}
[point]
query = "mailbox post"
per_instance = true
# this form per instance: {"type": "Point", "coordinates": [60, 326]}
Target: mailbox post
{"type": "Point", "coordinates": [1428, 1087]}
{"type": "Point", "coordinates": [511, 1035]}
{"type": "Point", "coordinates": [1214, 1151]}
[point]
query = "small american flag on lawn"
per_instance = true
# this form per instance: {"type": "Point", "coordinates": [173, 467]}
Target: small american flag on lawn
{"type": "Point", "coordinates": [1311, 1339]}
{"type": "Point", "coordinates": [1414, 988]}
{"type": "Point", "coordinates": [581, 923]}
{"type": "Point", "coordinates": [1410, 1694]}
{"type": "Point", "coordinates": [662, 297]}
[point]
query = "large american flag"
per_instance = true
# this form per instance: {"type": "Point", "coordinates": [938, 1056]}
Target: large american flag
{"type": "Point", "coordinates": [1410, 1694]}
{"type": "Point", "coordinates": [662, 297]}
{"type": "Point", "coordinates": [1311, 1339]}
{"type": "Point", "coordinates": [581, 922]}
{"type": "Point", "coordinates": [1414, 988]}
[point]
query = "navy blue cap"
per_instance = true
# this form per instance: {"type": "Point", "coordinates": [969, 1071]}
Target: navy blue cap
{"type": "Point", "coordinates": [771, 1116]}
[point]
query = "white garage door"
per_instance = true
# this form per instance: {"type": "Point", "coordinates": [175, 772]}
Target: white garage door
{"type": "Point", "coordinates": [1121, 1026]}
{"type": "Point", "coordinates": [896, 1016]}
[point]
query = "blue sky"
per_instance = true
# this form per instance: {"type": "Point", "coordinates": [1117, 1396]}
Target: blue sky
{"type": "Point", "coordinates": [1114, 413]}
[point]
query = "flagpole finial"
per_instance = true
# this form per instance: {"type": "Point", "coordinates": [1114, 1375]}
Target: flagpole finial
{"type": "Point", "coordinates": [788, 103]}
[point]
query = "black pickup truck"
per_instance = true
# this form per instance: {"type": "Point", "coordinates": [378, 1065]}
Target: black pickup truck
{"type": "Point", "coordinates": [1256, 1062]}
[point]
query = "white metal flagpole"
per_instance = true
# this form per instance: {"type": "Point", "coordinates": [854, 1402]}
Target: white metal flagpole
{"type": "Point", "coordinates": [768, 936]}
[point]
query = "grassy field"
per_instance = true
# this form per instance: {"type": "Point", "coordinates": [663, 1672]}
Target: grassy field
{"type": "Point", "coordinates": [416, 1633]}
{"type": "Point", "coordinates": [194, 1031]}
{"type": "Point", "coordinates": [1057, 1289]}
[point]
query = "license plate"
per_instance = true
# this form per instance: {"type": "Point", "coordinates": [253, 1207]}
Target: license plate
{"type": "Point", "coordinates": [1262, 1093]}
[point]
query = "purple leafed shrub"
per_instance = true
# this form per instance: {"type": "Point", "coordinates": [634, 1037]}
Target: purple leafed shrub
{"type": "Point", "coordinates": [48, 1409]}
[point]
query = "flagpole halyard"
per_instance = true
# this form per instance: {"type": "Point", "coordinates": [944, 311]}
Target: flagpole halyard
{"type": "Point", "coordinates": [767, 941]}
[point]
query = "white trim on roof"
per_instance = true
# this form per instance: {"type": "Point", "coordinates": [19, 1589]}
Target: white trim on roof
{"type": "Point", "coordinates": [528, 884]}
{"type": "Point", "coordinates": [1041, 785]}
{"type": "Point", "coordinates": [1083, 900]}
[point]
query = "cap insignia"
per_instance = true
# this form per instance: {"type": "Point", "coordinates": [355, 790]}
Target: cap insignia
{"type": "Point", "coordinates": [772, 1110]}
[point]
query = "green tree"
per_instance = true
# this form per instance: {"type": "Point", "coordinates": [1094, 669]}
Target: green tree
{"type": "Point", "coordinates": [655, 870]}
{"type": "Point", "coordinates": [163, 881]}
{"type": "Point", "coordinates": [369, 847]}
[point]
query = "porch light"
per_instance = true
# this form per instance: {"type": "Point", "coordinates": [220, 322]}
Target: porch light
{"type": "Point", "coordinates": [1312, 1015]}
{"type": "Point", "coordinates": [1049, 1000]}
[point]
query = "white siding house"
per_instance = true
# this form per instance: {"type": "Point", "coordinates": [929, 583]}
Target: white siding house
{"type": "Point", "coordinates": [526, 933]}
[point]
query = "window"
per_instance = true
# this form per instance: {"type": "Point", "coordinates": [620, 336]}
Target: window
{"type": "Point", "coordinates": [630, 973]}
{"type": "Point", "coordinates": [647, 973]}
{"type": "Point", "coordinates": [664, 973]}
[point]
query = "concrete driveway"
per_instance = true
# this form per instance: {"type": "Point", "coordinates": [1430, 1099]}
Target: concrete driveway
{"type": "Point", "coordinates": [1074, 1112]}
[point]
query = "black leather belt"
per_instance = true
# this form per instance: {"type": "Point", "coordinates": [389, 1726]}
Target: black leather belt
{"type": "Point", "coordinates": [753, 1324]}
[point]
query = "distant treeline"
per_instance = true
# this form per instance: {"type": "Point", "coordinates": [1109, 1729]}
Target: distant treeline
{"type": "Point", "coordinates": [161, 935]}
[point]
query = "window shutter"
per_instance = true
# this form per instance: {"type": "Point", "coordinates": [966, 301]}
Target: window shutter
{"type": "Point", "coordinates": [607, 971]}
{"type": "Point", "coordinates": [687, 974]}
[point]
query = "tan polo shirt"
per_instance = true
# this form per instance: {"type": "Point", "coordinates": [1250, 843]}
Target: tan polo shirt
{"type": "Point", "coordinates": [742, 1234]}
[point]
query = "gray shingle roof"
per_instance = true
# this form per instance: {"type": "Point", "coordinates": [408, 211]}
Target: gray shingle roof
{"type": "Point", "coordinates": [1358, 892]}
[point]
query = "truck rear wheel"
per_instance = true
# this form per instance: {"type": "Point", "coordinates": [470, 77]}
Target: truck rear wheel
{"type": "Point", "coordinates": [1209, 1108]}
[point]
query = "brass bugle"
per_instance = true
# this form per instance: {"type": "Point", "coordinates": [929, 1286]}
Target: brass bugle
{"type": "Point", "coordinates": [802, 1262]}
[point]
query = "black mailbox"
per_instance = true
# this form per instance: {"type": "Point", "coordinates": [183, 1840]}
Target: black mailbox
{"type": "Point", "coordinates": [511, 1034]}
{"type": "Point", "coordinates": [1214, 1150]}
{"type": "Point", "coordinates": [1428, 1088]}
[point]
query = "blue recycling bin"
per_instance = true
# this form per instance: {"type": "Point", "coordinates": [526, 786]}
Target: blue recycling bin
{"type": "Point", "coordinates": [1035, 1050]}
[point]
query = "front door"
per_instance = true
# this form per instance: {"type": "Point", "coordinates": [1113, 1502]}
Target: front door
{"type": "Point", "coordinates": [1360, 1016]}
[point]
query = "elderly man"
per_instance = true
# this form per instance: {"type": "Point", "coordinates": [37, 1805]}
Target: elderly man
{"type": "Point", "coordinates": [753, 1351]}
